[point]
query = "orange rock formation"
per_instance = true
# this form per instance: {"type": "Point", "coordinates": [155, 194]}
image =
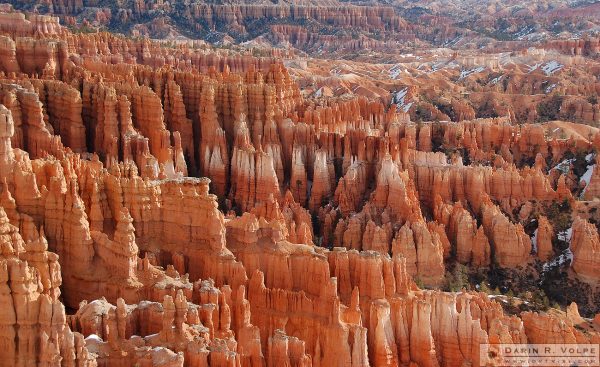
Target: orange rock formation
{"type": "Point", "coordinates": [195, 210]}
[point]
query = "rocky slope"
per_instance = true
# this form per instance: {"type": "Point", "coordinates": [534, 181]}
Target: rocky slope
{"type": "Point", "coordinates": [460, 61]}
{"type": "Point", "coordinates": [323, 27]}
{"type": "Point", "coordinates": [163, 205]}
{"type": "Point", "coordinates": [539, 84]}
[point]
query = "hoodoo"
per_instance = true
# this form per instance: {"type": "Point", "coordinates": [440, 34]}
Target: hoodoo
{"type": "Point", "coordinates": [316, 183]}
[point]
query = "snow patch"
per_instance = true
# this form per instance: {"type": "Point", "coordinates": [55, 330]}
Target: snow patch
{"type": "Point", "coordinates": [407, 107]}
{"type": "Point", "coordinates": [587, 176]}
{"type": "Point", "coordinates": [93, 337]}
{"type": "Point", "coordinates": [498, 297]}
{"type": "Point", "coordinates": [565, 235]}
{"type": "Point", "coordinates": [550, 88]}
{"type": "Point", "coordinates": [466, 73]}
{"type": "Point", "coordinates": [399, 100]}
{"type": "Point", "coordinates": [565, 257]}
{"type": "Point", "coordinates": [395, 71]}
{"type": "Point", "coordinates": [534, 67]}
{"type": "Point", "coordinates": [564, 166]}
{"type": "Point", "coordinates": [496, 80]}
{"type": "Point", "coordinates": [452, 42]}
{"type": "Point", "coordinates": [589, 157]}
{"type": "Point", "coordinates": [525, 31]}
{"type": "Point", "coordinates": [438, 66]}
{"type": "Point", "coordinates": [399, 95]}
{"type": "Point", "coordinates": [318, 93]}
{"type": "Point", "coordinates": [551, 67]}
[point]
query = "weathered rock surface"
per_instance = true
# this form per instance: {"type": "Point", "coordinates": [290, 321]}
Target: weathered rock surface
{"type": "Point", "coordinates": [585, 245]}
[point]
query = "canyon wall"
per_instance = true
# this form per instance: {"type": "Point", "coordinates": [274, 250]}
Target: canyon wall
{"type": "Point", "coordinates": [170, 207]}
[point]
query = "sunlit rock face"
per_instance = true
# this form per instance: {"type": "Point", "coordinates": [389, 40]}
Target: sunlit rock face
{"type": "Point", "coordinates": [165, 205]}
